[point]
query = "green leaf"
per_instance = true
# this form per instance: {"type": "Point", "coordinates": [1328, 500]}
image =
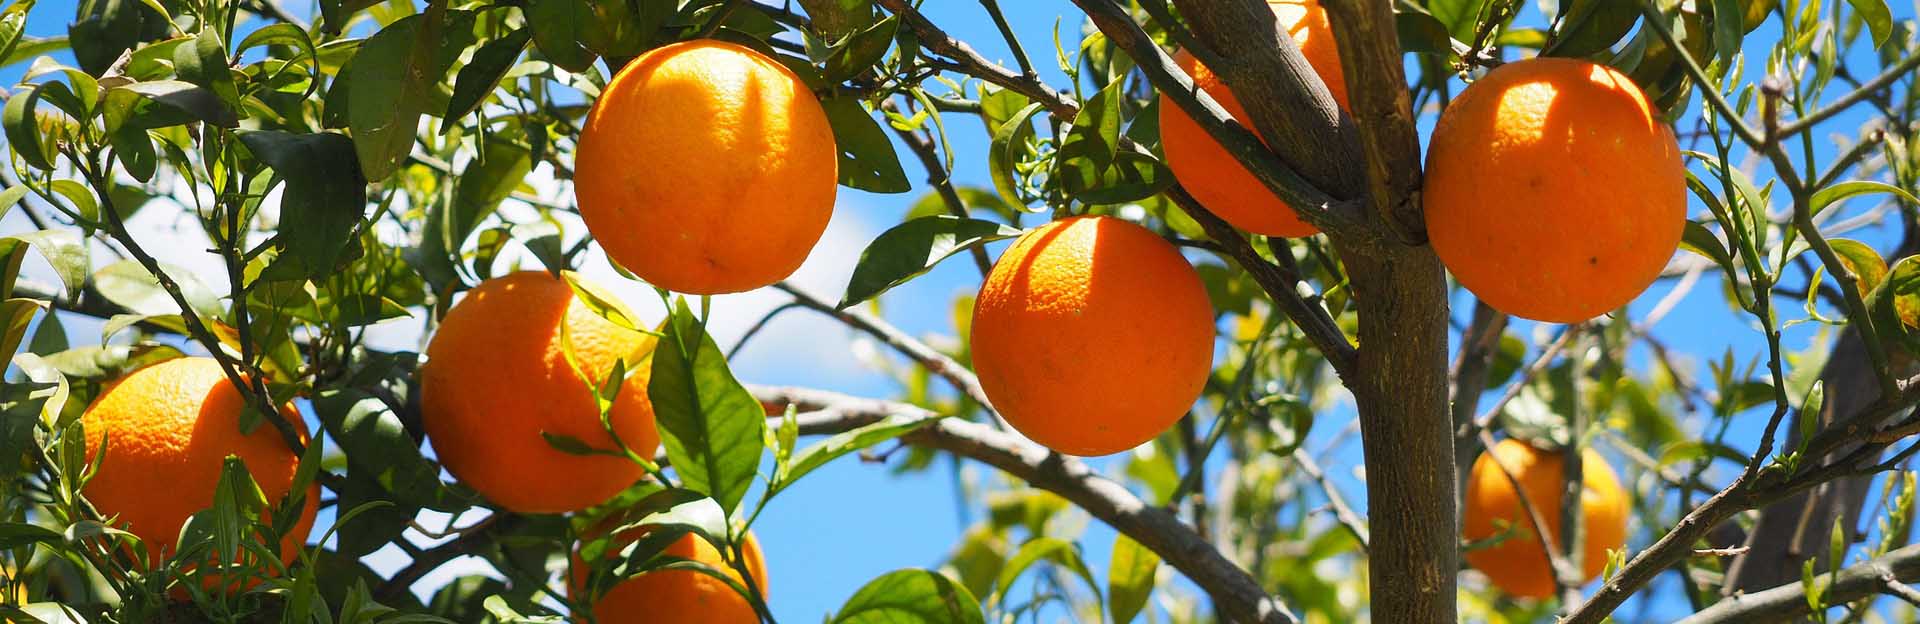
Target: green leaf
{"type": "Point", "coordinates": [601, 302]}
{"type": "Point", "coordinates": [834, 18]}
{"type": "Point", "coordinates": [1700, 240]}
{"type": "Point", "coordinates": [1591, 26]}
{"type": "Point", "coordinates": [1879, 20]}
{"type": "Point", "coordinates": [392, 81]}
{"type": "Point", "coordinates": [289, 35]}
{"type": "Point", "coordinates": [911, 597]}
{"type": "Point", "coordinates": [15, 316]}
{"type": "Point", "coordinates": [846, 442]}
{"type": "Point", "coordinates": [1061, 552]}
{"type": "Point", "coordinates": [1009, 142]}
{"type": "Point", "coordinates": [128, 284]}
{"type": "Point", "coordinates": [204, 63]}
{"type": "Point", "coordinates": [1729, 25]}
{"type": "Point", "coordinates": [65, 252]}
{"type": "Point", "coordinates": [1130, 578]}
{"type": "Point", "coordinates": [162, 103]}
{"type": "Point", "coordinates": [334, 14]}
{"type": "Point", "coordinates": [1461, 17]}
{"type": "Point", "coordinates": [867, 159]}
{"type": "Point", "coordinates": [912, 248]}
{"type": "Point", "coordinates": [1095, 134]}
{"type": "Point", "coordinates": [17, 534]}
{"type": "Point", "coordinates": [557, 32]}
{"type": "Point", "coordinates": [13, 22]}
{"type": "Point", "coordinates": [861, 51]}
{"type": "Point", "coordinates": [1421, 33]}
{"type": "Point", "coordinates": [478, 79]}
{"type": "Point", "coordinates": [1867, 266]}
{"type": "Point", "coordinates": [22, 126]}
{"type": "Point", "coordinates": [499, 169]}
{"type": "Point", "coordinates": [237, 504]}
{"type": "Point", "coordinates": [1825, 198]}
{"type": "Point", "coordinates": [325, 195]}
{"type": "Point", "coordinates": [713, 429]}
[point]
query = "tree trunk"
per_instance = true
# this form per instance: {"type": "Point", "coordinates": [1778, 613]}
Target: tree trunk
{"type": "Point", "coordinates": [1401, 389]}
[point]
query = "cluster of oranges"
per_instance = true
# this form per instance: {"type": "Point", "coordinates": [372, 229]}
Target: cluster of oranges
{"type": "Point", "coordinates": [1552, 192]}
{"type": "Point", "coordinates": [705, 167]}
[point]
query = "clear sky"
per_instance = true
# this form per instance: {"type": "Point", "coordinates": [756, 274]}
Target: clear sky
{"type": "Point", "coordinates": [852, 521]}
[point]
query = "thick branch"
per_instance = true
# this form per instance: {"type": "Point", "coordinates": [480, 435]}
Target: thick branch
{"type": "Point", "coordinates": [1237, 594]}
{"type": "Point", "coordinates": [1289, 104]}
{"type": "Point", "coordinates": [1789, 601]}
{"type": "Point", "coordinates": [1382, 111]}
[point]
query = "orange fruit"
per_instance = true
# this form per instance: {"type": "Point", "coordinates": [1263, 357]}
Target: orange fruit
{"type": "Point", "coordinates": [706, 167]}
{"type": "Point", "coordinates": [1207, 170]}
{"type": "Point", "coordinates": [1553, 191]}
{"type": "Point", "coordinates": [168, 429]}
{"type": "Point", "coordinates": [1092, 335]}
{"type": "Point", "coordinates": [1517, 564]}
{"type": "Point", "coordinates": [497, 376]}
{"type": "Point", "coordinates": [683, 596]}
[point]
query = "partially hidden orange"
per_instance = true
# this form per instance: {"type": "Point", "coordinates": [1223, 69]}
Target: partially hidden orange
{"type": "Point", "coordinates": [497, 376]}
{"type": "Point", "coordinates": [167, 431]}
{"type": "Point", "coordinates": [1208, 171]}
{"type": "Point", "coordinates": [706, 168]}
{"type": "Point", "coordinates": [1553, 191]}
{"type": "Point", "coordinates": [1092, 335]}
{"type": "Point", "coordinates": [685, 596]}
{"type": "Point", "coordinates": [1518, 564]}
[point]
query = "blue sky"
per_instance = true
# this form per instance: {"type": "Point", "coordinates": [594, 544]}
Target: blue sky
{"type": "Point", "coordinates": [852, 521]}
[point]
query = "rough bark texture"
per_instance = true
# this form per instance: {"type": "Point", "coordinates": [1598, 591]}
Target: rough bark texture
{"type": "Point", "coordinates": [1402, 395]}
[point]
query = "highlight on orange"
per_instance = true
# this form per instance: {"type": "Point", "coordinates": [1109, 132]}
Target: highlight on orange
{"type": "Point", "coordinates": [707, 168]}
{"type": "Point", "coordinates": [497, 377]}
{"type": "Point", "coordinates": [1518, 564]}
{"type": "Point", "coordinates": [168, 429]}
{"type": "Point", "coordinates": [1553, 191]}
{"type": "Point", "coordinates": [1091, 335]}
{"type": "Point", "coordinates": [1208, 171]}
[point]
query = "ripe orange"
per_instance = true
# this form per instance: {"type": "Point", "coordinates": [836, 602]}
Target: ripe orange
{"type": "Point", "coordinates": [169, 428]}
{"type": "Point", "coordinates": [1553, 192]}
{"type": "Point", "coordinates": [685, 596]}
{"type": "Point", "coordinates": [1518, 565]}
{"type": "Point", "coordinates": [1092, 335]}
{"type": "Point", "coordinates": [497, 376]}
{"type": "Point", "coordinates": [1212, 174]}
{"type": "Point", "coordinates": [706, 167]}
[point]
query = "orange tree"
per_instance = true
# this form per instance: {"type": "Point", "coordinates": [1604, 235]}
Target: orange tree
{"type": "Point", "coordinates": [377, 160]}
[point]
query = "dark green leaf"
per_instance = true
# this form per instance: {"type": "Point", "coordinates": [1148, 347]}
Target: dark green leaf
{"type": "Point", "coordinates": [163, 103]}
{"type": "Point", "coordinates": [911, 597]}
{"type": "Point", "coordinates": [13, 22]}
{"type": "Point", "coordinates": [204, 62]}
{"type": "Point", "coordinates": [912, 248]}
{"type": "Point", "coordinates": [557, 31]}
{"type": "Point", "coordinates": [713, 429]}
{"type": "Point", "coordinates": [488, 180]}
{"type": "Point", "coordinates": [325, 194]}
{"type": "Point", "coordinates": [1591, 26]}
{"type": "Point", "coordinates": [867, 159]}
{"type": "Point", "coordinates": [1421, 33]}
{"type": "Point", "coordinates": [392, 81]}
{"type": "Point", "coordinates": [22, 126]}
{"type": "Point", "coordinates": [478, 79]}
{"type": "Point", "coordinates": [860, 51]}
{"type": "Point", "coordinates": [834, 18]}
{"type": "Point", "coordinates": [1009, 143]}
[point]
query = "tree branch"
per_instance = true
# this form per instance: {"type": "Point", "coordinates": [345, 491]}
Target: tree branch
{"type": "Point", "coordinates": [1789, 601]}
{"type": "Point", "coordinates": [1239, 596]}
